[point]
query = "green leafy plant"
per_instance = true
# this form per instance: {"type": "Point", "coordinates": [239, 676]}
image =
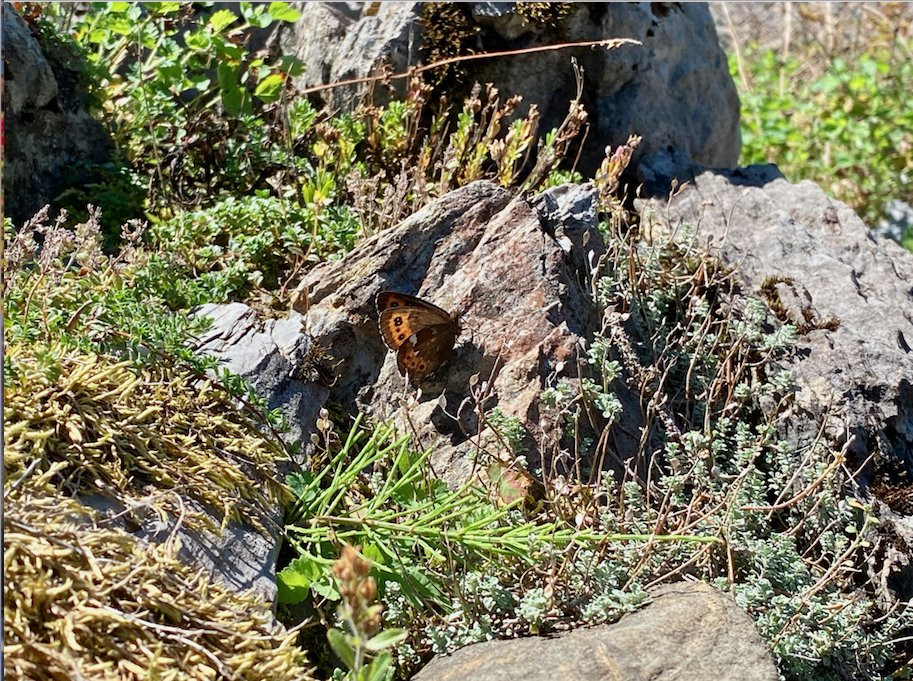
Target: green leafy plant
{"type": "Point", "coordinates": [427, 544]}
{"type": "Point", "coordinates": [362, 617]}
{"type": "Point", "coordinates": [846, 128]}
{"type": "Point", "coordinates": [180, 92]}
{"type": "Point", "coordinates": [218, 253]}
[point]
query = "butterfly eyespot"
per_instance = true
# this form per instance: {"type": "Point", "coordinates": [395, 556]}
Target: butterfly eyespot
{"type": "Point", "coordinates": [394, 304]}
{"type": "Point", "coordinates": [401, 336]}
{"type": "Point", "coordinates": [421, 367]}
{"type": "Point", "coordinates": [397, 321]}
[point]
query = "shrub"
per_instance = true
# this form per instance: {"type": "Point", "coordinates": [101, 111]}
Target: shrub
{"type": "Point", "coordinates": [846, 129]}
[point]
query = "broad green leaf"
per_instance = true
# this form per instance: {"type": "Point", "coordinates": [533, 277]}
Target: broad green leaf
{"type": "Point", "coordinates": [294, 582]}
{"type": "Point", "coordinates": [171, 72]}
{"type": "Point", "coordinates": [270, 88]}
{"type": "Point", "coordinates": [300, 482]}
{"type": "Point", "coordinates": [121, 26]}
{"type": "Point", "coordinates": [227, 75]}
{"type": "Point", "coordinates": [341, 646]}
{"type": "Point", "coordinates": [291, 65]}
{"type": "Point", "coordinates": [97, 35]}
{"type": "Point", "coordinates": [255, 14]}
{"type": "Point", "coordinates": [200, 81]}
{"type": "Point", "coordinates": [282, 11]}
{"type": "Point", "coordinates": [163, 7]}
{"type": "Point", "coordinates": [373, 553]}
{"type": "Point", "coordinates": [386, 639]}
{"type": "Point", "coordinates": [226, 49]}
{"type": "Point", "coordinates": [198, 41]}
{"type": "Point", "coordinates": [232, 101]}
{"type": "Point", "coordinates": [222, 19]}
{"type": "Point", "coordinates": [326, 587]}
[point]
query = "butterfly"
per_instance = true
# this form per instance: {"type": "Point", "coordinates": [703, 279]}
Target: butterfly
{"type": "Point", "coordinates": [422, 334]}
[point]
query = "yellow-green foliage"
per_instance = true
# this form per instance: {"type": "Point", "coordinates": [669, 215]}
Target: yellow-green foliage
{"type": "Point", "coordinates": [110, 428]}
{"type": "Point", "coordinates": [548, 14]}
{"type": "Point", "coordinates": [85, 602]}
{"type": "Point", "coordinates": [843, 124]}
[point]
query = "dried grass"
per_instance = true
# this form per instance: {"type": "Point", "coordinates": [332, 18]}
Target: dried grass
{"type": "Point", "coordinates": [120, 432]}
{"type": "Point", "coordinates": [83, 602]}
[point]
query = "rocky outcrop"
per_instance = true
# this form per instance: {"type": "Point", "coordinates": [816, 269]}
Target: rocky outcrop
{"type": "Point", "coordinates": [689, 631]}
{"type": "Point", "coordinates": [849, 295]}
{"type": "Point", "coordinates": [674, 88]}
{"type": "Point", "coordinates": [515, 271]}
{"type": "Point", "coordinates": [50, 137]}
{"type": "Point", "coordinates": [273, 355]}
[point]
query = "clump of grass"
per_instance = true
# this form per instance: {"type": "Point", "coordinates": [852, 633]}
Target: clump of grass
{"type": "Point", "coordinates": [105, 427]}
{"type": "Point", "coordinates": [85, 601]}
{"type": "Point", "coordinates": [102, 388]}
{"type": "Point", "coordinates": [61, 288]}
{"type": "Point", "coordinates": [64, 295]}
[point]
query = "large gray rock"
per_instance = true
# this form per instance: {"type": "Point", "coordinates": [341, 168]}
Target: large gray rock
{"type": "Point", "coordinates": [689, 631]}
{"type": "Point", "coordinates": [674, 89]}
{"type": "Point", "coordinates": [515, 271]}
{"type": "Point", "coordinates": [272, 355]}
{"type": "Point", "coordinates": [849, 294]}
{"type": "Point", "coordinates": [49, 132]}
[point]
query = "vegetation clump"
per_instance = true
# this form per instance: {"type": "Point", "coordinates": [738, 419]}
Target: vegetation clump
{"type": "Point", "coordinates": [85, 600]}
{"type": "Point", "coordinates": [104, 427]}
{"type": "Point", "coordinates": [843, 128]}
{"type": "Point", "coordinates": [246, 187]}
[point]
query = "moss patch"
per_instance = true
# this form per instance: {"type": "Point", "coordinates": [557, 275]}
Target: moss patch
{"type": "Point", "coordinates": [80, 601]}
{"type": "Point", "coordinates": [106, 427]}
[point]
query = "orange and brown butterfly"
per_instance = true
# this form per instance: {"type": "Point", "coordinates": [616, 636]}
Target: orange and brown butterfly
{"type": "Point", "coordinates": [422, 334]}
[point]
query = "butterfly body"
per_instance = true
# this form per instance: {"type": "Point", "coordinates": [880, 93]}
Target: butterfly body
{"type": "Point", "coordinates": [422, 334]}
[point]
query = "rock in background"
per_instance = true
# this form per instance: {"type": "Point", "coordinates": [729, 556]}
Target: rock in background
{"type": "Point", "coordinates": [849, 295]}
{"type": "Point", "coordinates": [674, 89]}
{"type": "Point", "coordinates": [50, 136]}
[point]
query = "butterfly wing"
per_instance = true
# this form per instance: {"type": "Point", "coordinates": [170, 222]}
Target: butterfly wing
{"type": "Point", "coordinates": [387, 300]}
{"type": "Point", "coordinates": [426, 350]}
{"type": "Point", "coordinates": [400, 316]}
{"type": "Point", "coordinates": [398, 325]}
{"type": "Point", "coordinates": [422, 333]}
